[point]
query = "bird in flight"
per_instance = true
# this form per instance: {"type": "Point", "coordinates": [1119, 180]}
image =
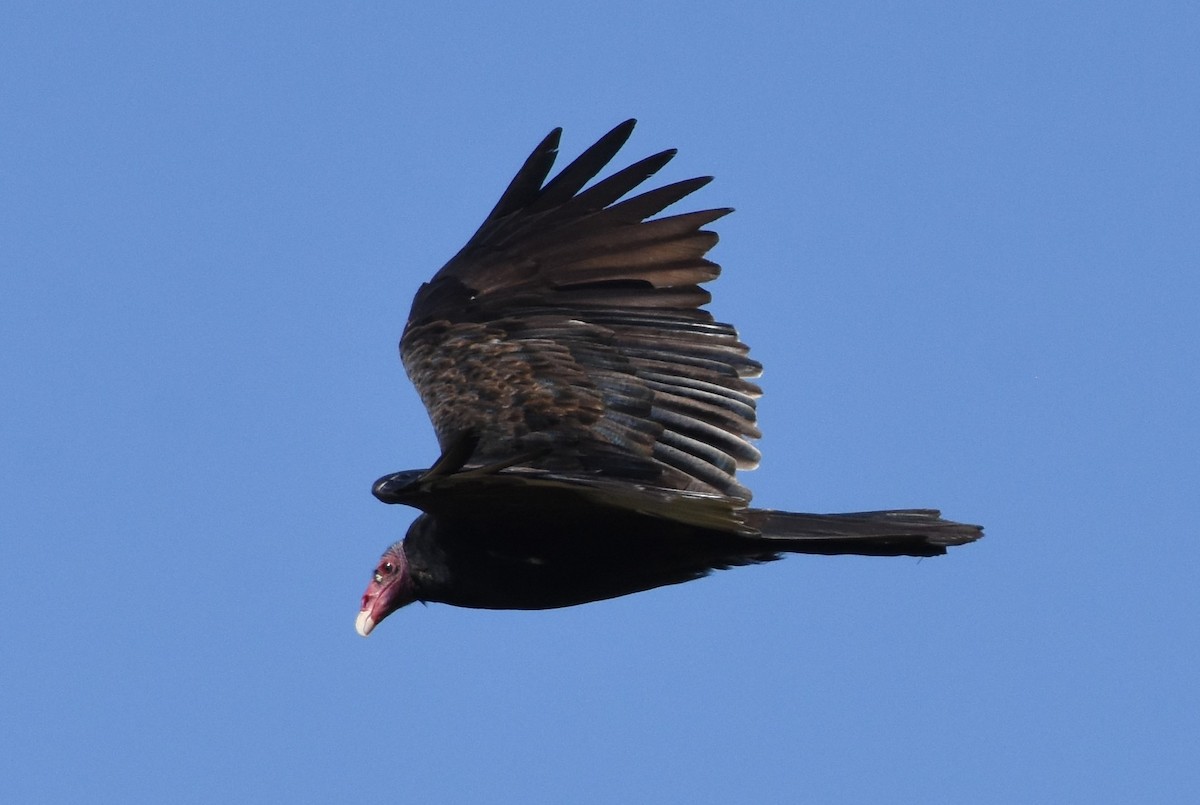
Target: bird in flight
{"type": "Point", "coordinates": [591, 414]}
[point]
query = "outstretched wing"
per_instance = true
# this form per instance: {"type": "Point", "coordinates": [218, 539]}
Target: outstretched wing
{"type": "Point", "coordinates": [569, 332]}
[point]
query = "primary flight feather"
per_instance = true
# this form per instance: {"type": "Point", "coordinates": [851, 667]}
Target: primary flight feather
{"type": "Point", "coordinates": [592, 416]}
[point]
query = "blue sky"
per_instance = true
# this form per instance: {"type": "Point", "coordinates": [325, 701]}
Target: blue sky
{"type": "Point", "coordinates": [966, 249]}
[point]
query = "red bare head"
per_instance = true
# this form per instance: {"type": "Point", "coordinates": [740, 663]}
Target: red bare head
{"type": "Point", "coordinates": [391, 588]}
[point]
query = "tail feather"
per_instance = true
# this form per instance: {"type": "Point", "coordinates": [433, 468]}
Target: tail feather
{"type": "Point", "coordinates": [906, 532]}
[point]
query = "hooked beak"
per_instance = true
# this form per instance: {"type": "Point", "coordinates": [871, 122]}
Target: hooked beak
{"type": "Point", "coordinates": [364, 623]}
{"type": "Point", "coordinates": [376, 605]}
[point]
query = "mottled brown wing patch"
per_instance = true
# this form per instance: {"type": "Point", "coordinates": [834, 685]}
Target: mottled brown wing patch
{"type": "Point", "coordinates": [571, 325]}
{"type": "Point", "coordinates": [474, 377]}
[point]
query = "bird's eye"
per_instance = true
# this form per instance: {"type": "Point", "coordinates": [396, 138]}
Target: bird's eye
{"type": "Point", "coordinates": [384, 570]}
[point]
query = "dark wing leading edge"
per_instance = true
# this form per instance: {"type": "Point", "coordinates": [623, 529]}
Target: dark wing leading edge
{"type": "Point", "coordinates": [569, 332]}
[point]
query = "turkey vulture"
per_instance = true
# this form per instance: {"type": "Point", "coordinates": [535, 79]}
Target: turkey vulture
{"type": "Point", "coordinates": [591, 414]}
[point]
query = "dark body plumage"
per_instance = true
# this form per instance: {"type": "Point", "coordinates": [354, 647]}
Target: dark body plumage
{"type": "Point", "coordinates": [592, 415]}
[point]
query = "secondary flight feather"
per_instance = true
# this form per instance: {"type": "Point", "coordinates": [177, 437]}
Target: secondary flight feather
{"type": "Point", "coordinates": [592, 415]}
